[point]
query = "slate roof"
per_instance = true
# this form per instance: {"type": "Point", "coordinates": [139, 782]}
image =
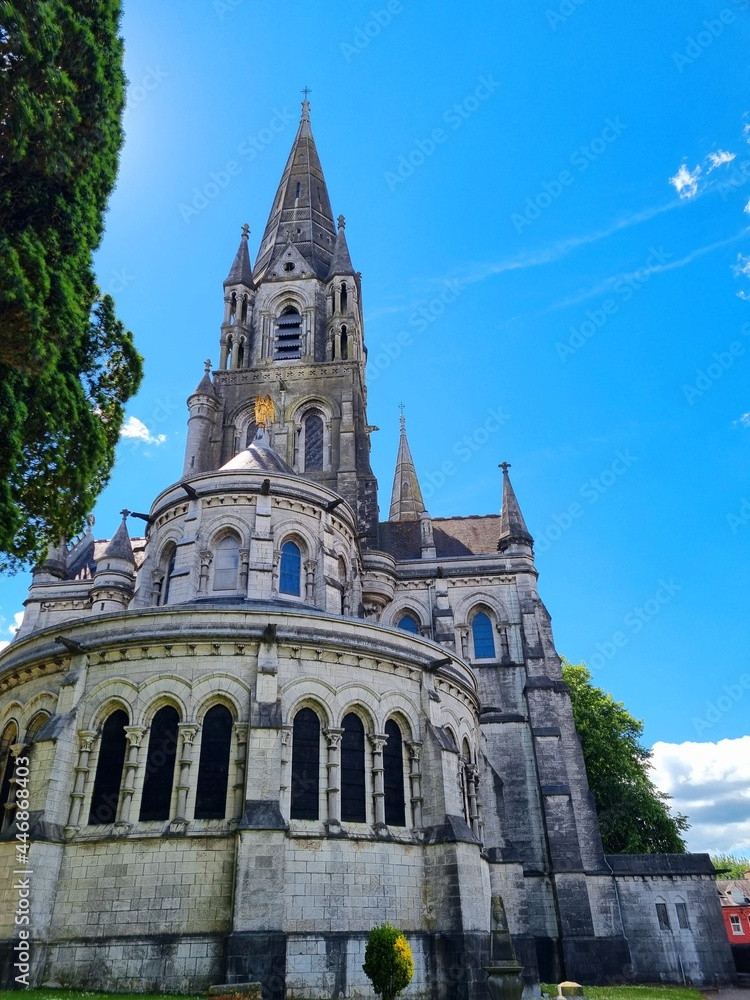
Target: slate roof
{"type": "Point", "coordinates": [454, 536]}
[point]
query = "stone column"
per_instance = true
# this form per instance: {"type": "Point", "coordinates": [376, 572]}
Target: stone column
{"type": "Point", "coordinates": [86, 739]}
{"type": "Point", "coordinates": [463, 638]}
{"type": "Point", "coordinates": [134, 735]}
{"type": "Point", "coordinates": [206, 558]}
{"type": "Point", "coordinates": [377, 742]}
{"type": "Point", "coordinates": [240, 766]}
{"type": "Point", "coordinates": [285, 783]}
{"type": "Point", "coordinates": [415, 780]}
{"type": "Point", "coordinates": [188, 731]}
{"type": "Point", "coordinates": [333, 789]}
{"type": "Point", "coordinates": [309, 580]}
{"type": "Point", "coordinates": [472, 780]}
{"type": "Point", "coordinates": [244, 569]}
{"type": "Point", "coordinates": [16, 750]}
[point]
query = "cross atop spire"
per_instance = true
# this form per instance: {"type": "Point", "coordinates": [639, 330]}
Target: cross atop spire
{"type": "Point", "coordinates": [241, 273]}
{"type": "Point", "coordinates": [306, 105]}
{"type": "Point", "coordinates": [513, 530]}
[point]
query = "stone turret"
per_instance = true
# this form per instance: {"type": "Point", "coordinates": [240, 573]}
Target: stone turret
{"type": "Point", "coordinates": [514, 535]}
{"type": "Point", "coordinates": [205, 408]}
{"type": "Point", "coordinates": [239, 293]}
{"type": "Point", "coordinates": [114, 580]}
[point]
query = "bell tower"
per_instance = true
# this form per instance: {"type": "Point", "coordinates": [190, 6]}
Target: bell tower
{"type": "Point", "coordinates": [292, 329]}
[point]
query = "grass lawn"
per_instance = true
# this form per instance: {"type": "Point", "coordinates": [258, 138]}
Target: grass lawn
{"type": "Point", "coordinates": [635, 992]}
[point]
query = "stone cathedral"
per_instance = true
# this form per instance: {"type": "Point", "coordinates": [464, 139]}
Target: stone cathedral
{"type": "Point", "coordinates": [275, 721]}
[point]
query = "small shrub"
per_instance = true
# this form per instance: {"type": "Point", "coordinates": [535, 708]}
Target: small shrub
{"type": "Point", "coordinates": [388, 961]}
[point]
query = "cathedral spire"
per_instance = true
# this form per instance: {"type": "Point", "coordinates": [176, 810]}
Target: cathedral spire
{"type": "Point", "coordinates": [406, 498]}
{"type": "Point", "coordinates": [241, 272]}
{"type": "Point", "coordinates": [341, 263]}
{"type": "Point", "coordinates": [513, 530]}
{"type": "Point", "coordinates": [302, 209]}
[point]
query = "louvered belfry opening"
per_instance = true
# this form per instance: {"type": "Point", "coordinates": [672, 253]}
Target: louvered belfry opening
{"type": "Point", "coordinates": [288, 340]}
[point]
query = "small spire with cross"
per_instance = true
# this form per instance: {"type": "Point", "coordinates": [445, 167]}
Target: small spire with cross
{"type": "Point", "coordinates": [207, 365]}
{"type": "Point", "coordinates": [402, 418]}
{"type": "Point", "coordinates": [125, 513]}
{"type": "Point", "coordinates": [245, 231]}
{"type": "Point", "coordinates": [342, 222]}
{"type": "Point", "coordinates": [306, 104]}
{"type": "Point", "coordinates": [504, 466]}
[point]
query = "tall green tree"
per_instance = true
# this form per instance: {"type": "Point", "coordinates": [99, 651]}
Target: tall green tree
{"type": "Point", "coordinates": [634, 816]}
{"type": "Point", "coordinates": [67, 364]}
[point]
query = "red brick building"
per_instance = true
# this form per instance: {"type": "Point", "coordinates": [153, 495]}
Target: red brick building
{"type": "Point", "coordinates": [734, 895]}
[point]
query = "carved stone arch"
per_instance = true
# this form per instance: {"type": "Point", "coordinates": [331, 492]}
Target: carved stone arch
{"type": "Point", "coordinates": [318, 411]}
{"type": "Point", "coordinates": [228, 523]}
{"type": "Point", "coordinates": [403, 722]}
{"type": "Point", "coordinates": [285, 297]}
{"type": "Point", "coordinates": [160, 691]}
{"type": "Point", "coordinates": [12, 712]}
{"type": "Point", "coordinates": [468, 606]}
{"type": "Point", "coordinates": [401, 606]}
{"type": "Point", "coordinates": [363, 701]}
{"type": "Point", "coordinates": [313, 693]}
{"type": "Point", "coordinates": [232, 692]}
{"type": "Point", "coordinates": [11, 719]}
{"type": "Point", "coordinates": [42, 701]}
{"type": "Point", "coordinates": [452, 724]}
{"type": "Point", "coordinates": [289, 529]}
{"type": "Point", "coordinates": [396, 705]}
{"type": "Point", "coordinates": [116, 689]}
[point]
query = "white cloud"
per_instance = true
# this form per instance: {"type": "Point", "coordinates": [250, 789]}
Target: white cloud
{"type": "Point", "coordinates": [744, 420]}
{"type": "Point", "coordinates": [746, 130]}
{"type": "Point", "coordinates": [685, 183]}
{"type": "Point", "coordinates": [137, 430]}
{"type": "Point", "coordinates": [17, 619]}
{"type": "Point", "coordinates": [719, 158]}
{"type": "Point", "coordinates": [710, 784]}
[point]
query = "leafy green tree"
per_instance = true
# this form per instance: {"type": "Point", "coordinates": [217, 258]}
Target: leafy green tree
{"type": "Point", "coordinates": [388, 961]}
{"type": "Point", "coordinates": [634, 816]}
{"type": "Point", "coordinates": [730, 866]}
{"type": "Point", "coordinates": [67, 365]}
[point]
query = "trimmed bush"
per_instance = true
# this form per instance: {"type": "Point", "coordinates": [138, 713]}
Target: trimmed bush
{"type": "Point", "coordinates": [388, 961]}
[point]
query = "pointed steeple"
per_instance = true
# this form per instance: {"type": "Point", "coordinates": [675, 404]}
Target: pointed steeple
{"type": "Point", "coordinates": [406, 497]}
{"type": "Point", "coordinates": [119, 546]}
{"type": "Point", "coordinates": [205, 386]}
{"type": "Point", "coordinates": [513, 530]}
{"type": "Point", "coordinates": [241, 272]}
{"type": "Point", "coordinates": [302, 209]}
{"type": "Point", "coordinates": [341, 262]}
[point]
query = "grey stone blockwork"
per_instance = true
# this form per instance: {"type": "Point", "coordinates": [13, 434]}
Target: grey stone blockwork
{"type": "Point", "coordinates": [265, 588]}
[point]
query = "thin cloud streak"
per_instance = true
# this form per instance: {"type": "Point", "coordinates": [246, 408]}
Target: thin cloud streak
{"type": "Point", "coordinates": [608, 283]}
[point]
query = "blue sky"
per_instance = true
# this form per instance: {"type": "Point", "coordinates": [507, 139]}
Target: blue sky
{"type": "Point", "coordinates": [536, 290]}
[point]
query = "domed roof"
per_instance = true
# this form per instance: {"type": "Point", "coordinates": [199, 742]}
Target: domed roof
{"type": "Point", "coordinates": [258, 457]}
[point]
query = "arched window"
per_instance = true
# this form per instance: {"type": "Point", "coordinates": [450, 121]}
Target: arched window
{"type": "Point", "coordinates": [314, 441]}
{"type": "Point", "coordinates": [166, 580]}
{"type": "Point", "coordinates": [464, 763]}
{"type": "Point", "coordinates": [484, 640]}
{"type": "Point", "coordinates": [393, 776]}
{"type": "Point", "coordinates": [343, 585]}
{"type": "Point", "coordinates": [241, 354]}
{"type": "Point", "coordinates": [353, 770]}
{"type": "Point", "coordinates": [162, 752]}
{"type": "Point", "coordinates": [305, 765]}
{"type": "Point", "coordinates": [213, 768]}
{"type": "Point", "coordinates": [227, 563]}
{"type": "Point", "coordinates": [243, 315]}
{"type": "Point", "coordinates": [344, 344]}
{"type": "Point", "coordinates": [233, 307]}
{"type": "Point", "coordinates": [230, 349]}
{"type": "Point", "coordinates": [344, 297]}
{"type": "Point", "coordinates": [408, 623]}
{"type": "Point", "coordinates": [112, 747]}
{"type": "Point", "coordinates": [291, 568]}
{"type": "Point", "coordinates": [288, 339]}
{"type": "Point", "coordinates": [9, 737]}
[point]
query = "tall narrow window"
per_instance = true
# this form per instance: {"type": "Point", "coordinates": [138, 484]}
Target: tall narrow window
{"type": "Point", "coordinates": [166, 580]}
{"type": "Point", "coordinates": [241, 355]}
{"type": "Point", "coordinates": [288, 340]}
{"type": "Point", "coordinates": [233, 307]}
{"type": "Point", "coordinates": [243, 314]}
{"type": "Point", "coordinates": [408, 623]}
{"type": "Point", "coordinates": [291, 568]}
{"type": "Point", "coordinates": [662, 916]}
{"type": "Point", "coordinates": [226, 563]}
{"type": "Point", "coordinates": [213, 769]}
{"type": "Point", "coordinates": [484, 640]}
{"type": "Point", "coordinates": [344, 344]}
{"type": "Point", "coordinates": [682, 916]}
{"type": "Point", "coordinates": [314, 441]}
{"type": "Point", "coordinates": [305, 765]}
{"type": "Point", "coordinates": [344, 297]}
{"type": "Point", "coordinates": [230, 350]}
{"type": "Point", "coordinates": [9, 737]}
{"type": "Point", "coordinates": [109, 767]}
{"type": "Point", "coordinates": [342, 584]}
{"type": "Point", "coordinates": [353, 770]}
{"type": "Point", "coordinates": [162, 751]}
{"type": "Point", "coordinates": [393, 776]}
{"type": "Point", "coordinates": [464, 762]}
